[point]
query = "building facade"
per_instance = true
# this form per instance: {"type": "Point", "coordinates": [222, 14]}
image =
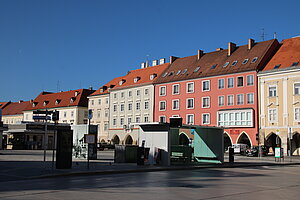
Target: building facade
{"type": "Point", "coordinates": [13, 112]}
{"type": "Point", "coordinates": [132, 102]}
{"type": "Point", "coordinates": [279, 90]}
{"type": "Point", "coordinates": [216, 89]}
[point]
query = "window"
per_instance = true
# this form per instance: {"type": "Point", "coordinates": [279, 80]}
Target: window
{"type": "Point", "coordinates": [205, 85]}
{"type": "Point", "coordinates": [105, 127]}
{"type": "Point", "coordinates": [146, 104]}
{"type": "Point", "coordinates": [250, 98]}
{"type": "Point", "coordinates": [178, 72]}
{"type": "Point", "coordinates": [250, 80]}
{"type": "Point", "coordinates": [234, 63]}
{"type": "Point", "coordinates": [122, 107]}
{"type": "Point", "coordinates": [272, 114]}
{"type": "Point", "coordinates": [297, 114]}
{"type": "Point", "coordinates": [122, 94]}
{"type": "Point", "coordinates": [214, 66]}
{"type": "Point", "coordinates": [121, 121]}
{"type": "Point", "coordinates": [205, 102]}
{"type": "Point", "coordinates": [171, 73]}
{"type": "Point", "coordinates": [72, 113]}
{"type": "Point", "coordinates": [138, 119]}
{"type": "Point", "coordinates": [230, 100]}
{"type": "Point", "coordinates": [245, 61]}
{"type": "Point", "coordinates": [99, 101]}
{"type": "Point", "coordinates": [106, 100]}
{"type": "Point", "coordinates": [240, 81]}
{"type": "Point", "coordinates": [130, 106]}
{"type": "Point", "coordinates": [295, 63]}
{"type": "Point", "coordinates": [146, 91]}
{"type": "Point", "coordinates": [221, 100]}
{"type": "Point", "coordinates": [254, 60]}
{"type": "Point", "coordinates": [162, 91]}
{"type": "Point", "coordinates": [272, 91]}
{"type": "Point", "coordinates": [197, 69]}
{"type": "Point", "coordinates": [129, 120]}
{"type": "Point", "coordinates": [230, 82]}
{"type": "Point", "coordinates": [115, 95]}
{"type": "Point", "coordinates": [98, 113]}
{"type": "Point", "coordinates": [176, 89]}
{"type": "Point", "coordinates": [115, 108]}
{"type": "Point", "coordinates": [162, 105]}
{"type": "Point", "coordinates": [138, 92]}
{"type": "Point", "coordinates": [175, 104]}
{"type": "Point", "coordinates": [146, 119]}
{"type": "Point", "coordinates": [297, 88]}
{"type": "Point", "coordinates": [162, 119]}
{"type": "Point", "coordinates": [190, 119]}
{"type": "Point", "coordinates": [226, 64]}
{"type": "Point", "coordinates": [184, 71]}
{"type": "Point", "coordinates": [277, 66]}
{"type": "Point", "coordinates": [106, 113]}
{"type": "Point", "coordinates": [85, 114]}
{"type": "Point", "coordinates": [221, 83]}
{"type": "Point", "coordinates": [138, 106]}
{"type": "Point", "coordinates": [190, 87]}
{"type": "Point", "coordinates": [240, 99]}
{"type": "Point", "coordinates": [65, 114]}
{"type": "Point", "coordinates": [190, 103]}
{"type": "Point", "coordinates": [206, 118]}
{"type": "Point", "coordinates": [165, 74]}
{"type": "Point", "coordinates": [114, 121]}
{"type": "Point", "coordinates": [236, 118]}
{"type": "Point", "coordinates": [130, 93]}
{"type": "Point", "coordinates": [92, 102]}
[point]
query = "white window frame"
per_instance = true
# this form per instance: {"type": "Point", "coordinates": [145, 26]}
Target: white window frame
{"type": "Point", "coordinates": [138, 106]}
{"type": "Point", "coordinates": [208, 118]}
{"type": "Point", "coordinates": [252, 94]}
{"type": "Point", "coordinates": [164, 117]}
{"type": "Point", "coordinates": [297, 114]}
{"type": "Point", "coordinates": [187, 87]}
{"type": "Point", "coordinates": [173, 89]}
{"type": "Point", "coordinates": [160, 89]}
{"type": "Point", "coordinates": [187, 103]}
{"type": "Point", "coordinates": [237, 120]}
{"type": "Point", "coordinates": [138, 92]}
{"type": "Point", "coordinates": [237, 81]}
{"type": "Point", "coordinates": [138, 117]}
{"type": "Point", "coordinates": [146, 91]}
{"type": "Point", "coordinates": [205, 90]}
{"type": "Point", "coordinates": [129, 106]}
{"type": "Point", "coordinates": [187, 119]}
{"type": "Point", "coordinates": [160, 109]}
{"type": "Point", "coordinates": [231, 95]}
{"type": "Point", "coordinates": [271, 86]}
{"type": "Point", "coordinates": [174, 100]}
{"type": "Point", "coordinates": [237, 99]}
{"type": "Point", "coordinates": [122, 109]}
{"type": "Point", "coordinates": [230, 78]}
{"type": "Point", "coordinates": [275, 119]}
{"type": "Point", "coordinates": [114, 121]}
{"type": "Point", "coordinates": [222, 96]}
{"type": "Point", "coordinates": [297, 87]}
{"type": "Point", "coordinates": [203, 102]}
{"type": "Point", "coordinates": [129, 93]}
{"type": "Point", "coordinates": [115, 107]}
{"type": "Point", "coordinates": [146, 121]}
{"type": "Point", "coordinates": [221, 79]}
{"type": "Point", "coordinates": [247, 78]}
{"type": "Point", "coordinates": [145, 103]}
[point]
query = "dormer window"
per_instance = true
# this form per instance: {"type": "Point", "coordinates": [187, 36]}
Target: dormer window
{"type": "Point", "coordinates": [45, 103]}
{"type": "Point", "coordinates": [245, 61]}
{"type": "Point", "coordinates": [72, 99]}
{"type": "Point", "coordinates": [101, 90]}
{"type": "Point", "coordinates": [136, 79]}
{"type": "Point", "coordinates": [152, 76]}
{"type": "Point", "coordinates": [57, 101]}
{"type": "Point", "coordinates": [234, 63]}
{"type": "Point", "coordinates": [197, 69]}
{"type": "Point", "coordinates": [171, 73]}
{"type": "Point", "coordinates": [214, 66]}
{"type": "Point", "coordinates": [295, 63]}
{"type": "Point", "coordinates": [178, 72]}
{"type": "Point", "coordinates": [254, 59]}
{"type": "Point", "coordinates": [277, 66]}
{"type": "Point", "coordinates": [121, 82]}
{"type": "Point", "coordinates": [184, 71]}
{"type": "Point", "coordinates": [165, 74]}
{"type": "Point", "coordinates": [76, 93]}
{"type": "Point", "coordinates": [226, 64]}
{"type": "Point", "coordinates": [34, 104]}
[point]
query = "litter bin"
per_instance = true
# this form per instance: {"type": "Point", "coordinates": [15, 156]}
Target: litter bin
{"type": "Point", "coordinates": [231, 155]}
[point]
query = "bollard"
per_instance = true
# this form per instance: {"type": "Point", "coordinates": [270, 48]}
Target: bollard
{"type": "Point", "coordinates": [231, 155]}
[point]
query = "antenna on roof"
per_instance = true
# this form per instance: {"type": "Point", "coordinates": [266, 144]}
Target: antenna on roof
{"type": "Point", "coordinates": [275, 35]}
{"type": "Point", "coordinates": [263, 34]}
{"type": "Point", "coordinates": [147, 60]}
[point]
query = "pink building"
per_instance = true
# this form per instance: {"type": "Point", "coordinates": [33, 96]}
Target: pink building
{"type": "Point", "coordinates": [216, 89]}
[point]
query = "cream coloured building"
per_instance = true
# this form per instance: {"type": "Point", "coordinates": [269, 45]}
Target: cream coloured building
{"type": "Point", "coordinates": [279, 94]}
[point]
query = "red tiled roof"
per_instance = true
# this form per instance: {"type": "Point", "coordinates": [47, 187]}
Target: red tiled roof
{"type": "Point", "coordinates": [262, 50]}
{"type": "Point", "coordinates": [61, 99]}
{"type": "Point", "coordinates": [105, 88]}
{"type": "Point", "coordinates": [4, 104]}
{"type": "Point", "coordinates": [15, 108]}
{"type": "Point", "coordinates": [142, 75]}
{"type": "Point", "coordinates": [288, 53]}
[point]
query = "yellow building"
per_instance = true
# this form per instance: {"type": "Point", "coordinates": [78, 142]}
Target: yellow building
{"type": "Point", "coordinates": [279, 105]}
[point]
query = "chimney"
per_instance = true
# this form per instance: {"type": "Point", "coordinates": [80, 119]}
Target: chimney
{"type": "Point", "coordinates": [143, 65]}
{"type": "Point", "coordinates": [31, 101]}
{"type": "Point", "coordinates": [162, 61]}
{"type": "Point", "coordinates": [219, 49]}
{"type": "Point", "coordinates": [90, 88]}
{"type": "Point", "coordinates": [154, 62]}
{"type": "Point", "coordinates": [200, 54]}
{"type": "Point", "coordinates": [251, 43]}
{"type": "Point", "coordinates": [172, 59]}
{"type": "Point", "coordinates": [231, 48]}
{"type": "Point", "coordinates": [20, 101]}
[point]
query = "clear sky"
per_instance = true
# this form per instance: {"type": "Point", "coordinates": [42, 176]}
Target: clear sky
{"type": "Point", "coordinates": [56, 45]}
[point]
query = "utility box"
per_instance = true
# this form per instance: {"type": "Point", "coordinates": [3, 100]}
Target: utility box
{"type": "Point", "coordinates": [64, 148]}
{"type": "Point", "coordinates": [126, 153]}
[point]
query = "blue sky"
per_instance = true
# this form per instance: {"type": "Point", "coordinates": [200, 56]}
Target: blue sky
{"type": "Point", "coordinates": [64, 45]}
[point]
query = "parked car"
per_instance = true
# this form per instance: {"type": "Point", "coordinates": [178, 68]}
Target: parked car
{"type": "Point", "coordinates": [104, 145]}
{"type": "Point", "coordinates": [240, 148]}
{"type": "Point", "coordinates": [253, 151]}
